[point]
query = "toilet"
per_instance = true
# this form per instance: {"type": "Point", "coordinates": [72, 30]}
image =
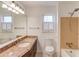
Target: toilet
{"type": "Point", "coordinates": [49, 51]}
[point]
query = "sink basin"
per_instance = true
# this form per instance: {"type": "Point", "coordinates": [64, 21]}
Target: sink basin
{"type": "Point", "coordinates": [11, 53]}
{"type": "Point", "coordinates": [23, 44]}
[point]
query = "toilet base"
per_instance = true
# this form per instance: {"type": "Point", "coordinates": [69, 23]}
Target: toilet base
{"type": "Point", "coordinates": [48, 54]}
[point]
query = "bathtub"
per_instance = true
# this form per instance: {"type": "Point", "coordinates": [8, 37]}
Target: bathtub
{"type": "Point", "coordinates": [69, 52]}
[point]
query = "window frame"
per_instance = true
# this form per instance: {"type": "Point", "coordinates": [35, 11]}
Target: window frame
{"type": "Point", "coordinates": [2, 23]}
{"type": "Point", "coordinates": [48, 30]}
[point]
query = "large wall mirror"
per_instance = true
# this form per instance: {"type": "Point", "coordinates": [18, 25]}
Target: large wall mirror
{"type": "Point", "coordinates": [11, 24]}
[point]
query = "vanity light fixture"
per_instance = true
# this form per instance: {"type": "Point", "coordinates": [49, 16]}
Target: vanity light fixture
{"type": "Point", "coordinates": [4, 6]}
{"type": "Point", "coordinates": [11, 6]}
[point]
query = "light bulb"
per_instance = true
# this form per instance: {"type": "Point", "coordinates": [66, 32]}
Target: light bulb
{"type": "Point", "coordinates": [17, 8]}
{"type": "Point", "coordinates": [17, 12]}
{"type": "Point", "coordinates": [4, 6]}
{"type": "Point", "coordinates": [22, 12]}
{"type": "Point", "coordinates": [9, 8]}
{"type": "Point", "coordinates": [13, 11]}
{"type": "Point", "coordinates": [12, 5]}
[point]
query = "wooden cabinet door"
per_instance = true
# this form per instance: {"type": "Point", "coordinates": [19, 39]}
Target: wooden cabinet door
{"type": "Point", "coordinates": [69, 30]}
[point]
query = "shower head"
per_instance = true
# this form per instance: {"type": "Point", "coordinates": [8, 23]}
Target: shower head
{"type": "Point", "coordinates": [74, 11]}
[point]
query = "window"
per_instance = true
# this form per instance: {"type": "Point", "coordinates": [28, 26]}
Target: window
{"type": "Point", "coordinates": [7, 19]}
{"type": "Point", "coordinates": [49, 24]}
{"type": "Point", "coordinates": [6, 24]}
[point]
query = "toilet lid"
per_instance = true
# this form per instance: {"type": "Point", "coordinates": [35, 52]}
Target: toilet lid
{"type": "Point", "coordinates": [49, 49]}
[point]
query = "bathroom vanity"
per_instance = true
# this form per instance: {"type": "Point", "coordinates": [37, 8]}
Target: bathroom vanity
{"type": "Point", "coordinates": [24, 46]}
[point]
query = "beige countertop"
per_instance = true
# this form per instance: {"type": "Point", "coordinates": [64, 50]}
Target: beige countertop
{"type": "Point", "coordinates": [16, 51]}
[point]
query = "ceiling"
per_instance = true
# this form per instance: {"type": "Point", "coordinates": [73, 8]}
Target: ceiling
{"type": "Point", "coordinates": [40, 3]}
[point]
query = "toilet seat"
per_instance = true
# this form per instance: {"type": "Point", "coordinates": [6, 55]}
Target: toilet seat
{"type": "Point", "coordinates": [49, 51]}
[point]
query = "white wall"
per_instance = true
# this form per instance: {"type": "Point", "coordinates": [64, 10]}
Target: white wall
{"type": "Point", "coordinates": [34, 18]}
{"type": "Point", "coordinates": [66, 7]}
{"type": "Point", "coordinates": [20, 22]}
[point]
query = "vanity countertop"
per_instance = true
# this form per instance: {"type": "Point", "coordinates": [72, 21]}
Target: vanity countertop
{"type": "Point", "coordinates": [16, 50]}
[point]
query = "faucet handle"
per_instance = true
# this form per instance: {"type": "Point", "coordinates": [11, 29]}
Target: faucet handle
{"type": "Point", "coordinates": [69, 44]}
